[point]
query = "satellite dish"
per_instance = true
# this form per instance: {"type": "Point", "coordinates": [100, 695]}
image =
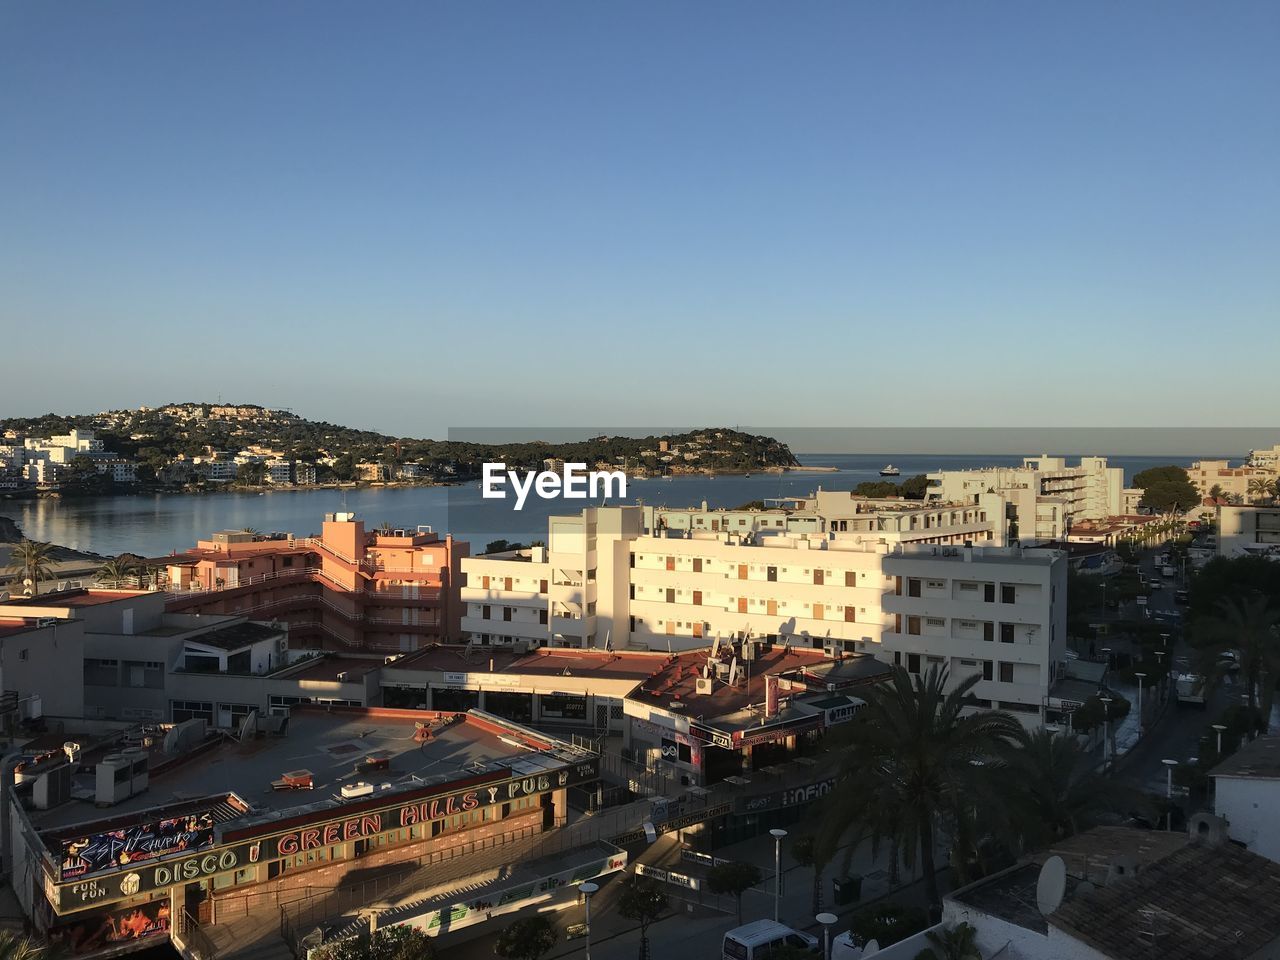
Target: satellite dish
{"type": "Point", "coordinates": [872, 947]}
{"type": "Point", "coordinates": [1085, 888]}
{"type": "Point", "coordinates": [1052, 885]}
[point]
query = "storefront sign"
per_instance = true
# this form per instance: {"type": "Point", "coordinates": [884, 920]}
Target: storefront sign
{"type": "Point", "coordinates": [133, 845]}
{"type": "Point", "coordinates": [98, 891]}
{"type": "Point", "coordinates": [134, 875]}
{"type": "Point", "coordinates": [713, 737]}
{"type": "Point", "coordinates": [670, 751]}
{"type": "Point", "coordinates": [789, 797]}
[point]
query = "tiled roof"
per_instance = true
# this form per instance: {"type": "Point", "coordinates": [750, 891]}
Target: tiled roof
{"type": "Point", "coordinates": [1201, 902]}
{"type": "Point", "coordinates": [1257, 760]}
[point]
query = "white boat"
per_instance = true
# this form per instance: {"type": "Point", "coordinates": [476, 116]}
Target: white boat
{"type": "Point", "coordinates": [890, 471]}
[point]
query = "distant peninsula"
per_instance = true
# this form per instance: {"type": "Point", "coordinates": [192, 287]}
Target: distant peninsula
{"type": "Point", "coordinates": [195, 447]}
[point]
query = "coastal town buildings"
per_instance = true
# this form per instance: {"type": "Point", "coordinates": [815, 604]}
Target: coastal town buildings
{"type": "Point", "coordinates": [1045, 495]}
{"type": "Point", "coordinates": [1246, 792]}
{"type": "Point", "coordinates": [391, 590]}
{"type": "Point", "coordinates": [1248, 529]}
{"type": "Point", "coordinates": [1242, 484]}
{"type": "Point", "coordinates": [602, 583]}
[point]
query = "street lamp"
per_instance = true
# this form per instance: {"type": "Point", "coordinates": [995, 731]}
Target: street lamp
{"type": "Point", "coordinates": [777, 833]}
{"type": "Point", "coordinates": [1106, 729]}
{"type": "Point", "coordinates": [1168, 790]}
{"type": "Point", "coordinates": [1219, 727]}
{"type": "Point", "coordinates": [587, 889]}
{"type": "Point", "coordinates": [1141, 715]}
{"type": "Point", "coordinates": [1107, 651]}
{"type": "Point", "coordinates": [826, 919]}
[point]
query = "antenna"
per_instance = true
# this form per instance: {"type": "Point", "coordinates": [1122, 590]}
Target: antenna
{"type": "Point", "coordinates": [1052, 885]}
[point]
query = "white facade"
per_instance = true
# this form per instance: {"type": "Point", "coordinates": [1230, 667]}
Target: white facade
{"type": "Point", "coordinates": [1246, 530]}
{"type": "Point", "coordinates": [279, 472]}
{"type": "Point", "coordinates": [1045, 494]}
{"type": "Point", "coordinates": [1249, 804]}
{"type": "Point", "coordinates": [602, 580]}
{"type": "Point", "coordinates": [998, 613]}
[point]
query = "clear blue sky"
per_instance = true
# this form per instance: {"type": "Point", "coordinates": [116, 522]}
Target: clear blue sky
{"type": "Point", "coordinates": [410, 216]}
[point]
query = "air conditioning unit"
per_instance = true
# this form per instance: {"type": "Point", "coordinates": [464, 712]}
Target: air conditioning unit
{"type": "Point", "coordinates": [704, 685]}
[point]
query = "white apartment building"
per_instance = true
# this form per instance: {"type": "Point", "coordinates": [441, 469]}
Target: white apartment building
{"type": "Point", "coordinates": [1268, 458]}
{"type": "Point", "coordinates": [279, 471]}
{"type": "Point", "coordinates": [1045, 495]}
{"type": "Point", "coordinates": [63, 448]}
{"type": "Point", "coordinates": [1000, 613]}
{"type": "Point", "coordinates": [1248, 529]}
{"type": "Point", "coordinates": [1231, 481]}
{"type": "Point", "coordinates": [602, 581]}
{"type": "Point", "coordinates": [843, 516]}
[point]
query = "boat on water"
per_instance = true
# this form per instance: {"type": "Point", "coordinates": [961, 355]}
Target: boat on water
{"type": "Point", "coordinates": [890, 471]}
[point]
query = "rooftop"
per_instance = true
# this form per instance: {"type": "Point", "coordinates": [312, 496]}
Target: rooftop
{"type": "Point", "coordinates": [1011, 894]}
{"type": "Point", "coordinates": [1007, 555]}
{"type": "Point", "coordinates": [1201, 902]}
{"type": "Point", "coordinates": [1256, 760]}
{"type": "Point", "coordinates": [238, 636]}
{"type": "Point", "coordinates": [328, 743]}
{"type": "Point", "coordinates": [73, 598]}
{"type": "Point", "coordinates": [544, 661]}
{"type": "Point", "coordinates": [732, 706]}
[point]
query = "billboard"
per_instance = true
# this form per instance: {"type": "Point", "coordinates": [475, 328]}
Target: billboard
{"type": "Point", "coordinates": [113, 849]}
{"type": "Point", "coordinates": [130, 925]}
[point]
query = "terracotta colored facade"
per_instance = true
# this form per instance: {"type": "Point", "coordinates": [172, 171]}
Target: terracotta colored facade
{"type": "Point", "coordinates": [348, 589]}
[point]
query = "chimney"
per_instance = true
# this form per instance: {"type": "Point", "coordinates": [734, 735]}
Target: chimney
{"type": "Point", "coordinates": [770, 696]}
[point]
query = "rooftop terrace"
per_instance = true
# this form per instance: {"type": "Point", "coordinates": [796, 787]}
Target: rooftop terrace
{"type": "Point", "coordinates": [326, 743]}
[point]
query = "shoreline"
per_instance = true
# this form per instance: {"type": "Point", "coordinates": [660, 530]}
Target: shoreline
{"type": "Point", "coordinates": [151, 490]}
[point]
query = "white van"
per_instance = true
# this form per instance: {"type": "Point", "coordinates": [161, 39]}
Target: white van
{"type": "Point", "coordinates": [757, 940]}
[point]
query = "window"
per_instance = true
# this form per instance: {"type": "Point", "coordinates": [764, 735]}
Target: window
{"type": "Point", "coordinates": [989, 593]}
{"type": "Point", "coordinates": [22, 654]}
{"type": "Point", "coordinates": [1006, 673]}
{"type": "Point", "coordinates": [542, 616]}
{"type": "Point", "coordinates": [913, 626]}
{"type": "Point", "coordinates": [988, 631]}
{"type": "Point", "coordinates": [913, 663]}
{"type": "Point", "coordinates": [850, 578]}
{"type": "Point", "coordinates": [1007, 593]}
{"type": "Point", "coordinates": [1006, 633]}
{"type": "Point", "coordinates": [913, 587]}
{"type": "Point", "coordinates": [771, 574]}
{"type": "Point", "coordinates": [484, 612]}
{"type": "Point", "coordinates": [506, 614]}
{"type": "Point", "coordinates": [697, 564]}
{"type": "Point", "coordinates": [986, 669]}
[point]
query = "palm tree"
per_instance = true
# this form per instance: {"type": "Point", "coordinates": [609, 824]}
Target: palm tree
{"type": "Point", "coordinates": [1215, 492]}
{"type": "Point", "coordinates": [1059, 790]}
{"type": "Point", "coordinates": [1247, 637]}
{"type": "Point", "coordinates": [914, 760]}
{"type": "Point", "coordinates": [113, 571]}
{"type": "Point", "coordinates": [805, 852]}
{"type": "Point", "coordinates": [32, 560]}
{"type": "Point", "coordinates": [13, 946]}
{"type": "Point", "coordinates": [1260, 488]}
{"type": "Point", "coordinates": [252, 531]}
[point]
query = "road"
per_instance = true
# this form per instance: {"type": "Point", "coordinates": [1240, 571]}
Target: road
{"type": "Point", "coordinates": [1176, 736]}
